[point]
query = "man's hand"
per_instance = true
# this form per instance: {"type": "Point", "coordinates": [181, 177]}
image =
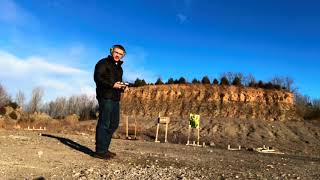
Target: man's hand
{"type": "Point", "coordinates": [119, 85]}
{"type": "Point", "coordinates": [125, 89]}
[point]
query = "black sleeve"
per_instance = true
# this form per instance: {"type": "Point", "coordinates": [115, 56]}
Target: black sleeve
{"type": "Point", "coordinates": [103, 76]}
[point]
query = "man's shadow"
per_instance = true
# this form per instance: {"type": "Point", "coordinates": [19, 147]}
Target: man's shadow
{"type": "Point", "coordinates": [72, 144]}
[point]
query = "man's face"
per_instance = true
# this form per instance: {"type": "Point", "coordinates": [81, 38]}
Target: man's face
{"type": "Point", "coordinates": [117, 54]}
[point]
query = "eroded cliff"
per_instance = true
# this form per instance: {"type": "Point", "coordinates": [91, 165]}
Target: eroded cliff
{"type": "Point", "coordinates": [212, 101]}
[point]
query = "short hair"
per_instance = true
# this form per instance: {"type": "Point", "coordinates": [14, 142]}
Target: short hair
{"type": "Point", "coordinates": [119, 46]}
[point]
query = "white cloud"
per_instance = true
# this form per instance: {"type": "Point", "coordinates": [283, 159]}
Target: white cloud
{"type": "Point", "coordinates": [56, 79]}
{"type": "Point", "coordinates": [13, 66]}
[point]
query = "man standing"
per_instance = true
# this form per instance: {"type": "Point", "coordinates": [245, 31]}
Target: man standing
{"type": "Point", "coordinates": [108, 78]}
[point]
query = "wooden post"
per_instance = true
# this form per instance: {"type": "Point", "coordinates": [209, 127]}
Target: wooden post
{"type": "Point", "coordinates": [157, 133]}
{"type": "Point", "coordinates": [163, 120]}
{"type": "Point", "coordinates": [127, 126]}
{"type": "Point", "coordinates": [199, 135]}
{"type": "Point", "coordinates": [135, 129]}
{"type": "Point", "coordinates": [188, 142]}
{"type": "Point", "coordinates": [166, 135]}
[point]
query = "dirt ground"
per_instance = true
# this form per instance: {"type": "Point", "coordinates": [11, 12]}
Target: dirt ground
{"type": "Point", "coordinates": [28, 155]}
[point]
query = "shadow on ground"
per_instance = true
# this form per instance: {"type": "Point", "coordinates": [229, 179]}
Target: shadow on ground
{"type": "Point", "coordinates": [72, 144]}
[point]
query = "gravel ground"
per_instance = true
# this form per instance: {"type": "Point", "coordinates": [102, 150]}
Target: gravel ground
{"type": "Point", "coordinates": [28, 155]}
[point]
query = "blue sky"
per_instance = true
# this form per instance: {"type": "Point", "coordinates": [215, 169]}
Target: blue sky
{"type": "Point", "coordinates": [56, 43]}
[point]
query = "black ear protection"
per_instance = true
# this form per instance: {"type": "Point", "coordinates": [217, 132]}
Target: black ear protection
{"type": "Point", "coordinates": [117, 46]}
{"type": "Point", "coordinates": [111, 50]}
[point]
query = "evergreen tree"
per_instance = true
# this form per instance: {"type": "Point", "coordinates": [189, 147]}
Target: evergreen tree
{"type": "Point", "coordinates": [215, 81]}
{"type": "Point", "coordinates": [143, 82]}
{"type": "Point", "coordinates": [195, 81]}
{"type": "Point", "coordinates": [252, 84]}
{"type": "Point", "coordinates": [260, 84]}
{"type": "Point", "coordinates": [205, 80]}
{"type": "Point", "coordinates": [269, 85]}
{"type": "Point", "coordinates": [236, 81]}
{"type": "Point", "coordinates": [139, 82]}
{"type": "Point", "coordinates": [224, 81]}
{"type": "Point", "coordinates": [182, 80]}
{"type": "Point", "coordinates": [170, 81]}
{"type": "Point", "coordinates": [159, 82]}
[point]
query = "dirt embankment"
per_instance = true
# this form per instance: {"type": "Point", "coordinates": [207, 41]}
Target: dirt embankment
{"type": "Point", "coordinates": [212, 101]}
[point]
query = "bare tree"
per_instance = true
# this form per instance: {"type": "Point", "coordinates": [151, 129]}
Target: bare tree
{"type": "Point", "coordinates": [249, 79]}
{"type": "Point", "coordinates": [316, 103]}
{"type": "Point", "coordinates": [56, 108]}
{"type": "Point", "coordinates": [302, 104]}
{"type": "Point", "coordinates": [283, 81]}
{"type": "Point", "coordinates": [277, 80]}
{"type": "Point", "coordinates": [35, 101]}
{"type": "Point", "coordinates": [4, 97]}
{"type": "Point", "coordinates": [20, 98]}
{"type": "Point", "coordinates": [288, 82]}
{"type": "Point", "coordinates": [83, 105]}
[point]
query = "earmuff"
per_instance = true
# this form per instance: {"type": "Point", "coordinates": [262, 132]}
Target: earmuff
{"type": "Point", "coordinates": [111, 50]}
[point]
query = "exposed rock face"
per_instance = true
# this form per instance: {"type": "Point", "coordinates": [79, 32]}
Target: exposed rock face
{"type": "Point", "coordinates": [210, 101]}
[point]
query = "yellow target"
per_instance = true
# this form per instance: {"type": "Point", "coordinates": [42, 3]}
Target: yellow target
{"type": "Point", "coordinates": [194, 120]}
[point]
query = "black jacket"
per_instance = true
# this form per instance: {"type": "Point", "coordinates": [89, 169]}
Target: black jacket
{"type": "Point", "coordinates": [106, 73]}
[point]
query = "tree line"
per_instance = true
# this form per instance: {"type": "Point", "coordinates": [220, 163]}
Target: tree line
{"type": "Point", "coordinates": [227, 79]}
{"type": "Point", "coordinates": [82, 105]}
{"type": "Point", "coordinates": [86, 107]}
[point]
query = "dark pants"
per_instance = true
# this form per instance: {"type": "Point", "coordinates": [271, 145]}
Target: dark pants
{"type": "Point", "coordinates": [107, 124]}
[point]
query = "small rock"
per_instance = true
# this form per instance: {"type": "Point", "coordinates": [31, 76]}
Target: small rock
{"type": "Point", "coordinates": [40, 153]}
{"type": "Point", "coordinates": [76, 174]}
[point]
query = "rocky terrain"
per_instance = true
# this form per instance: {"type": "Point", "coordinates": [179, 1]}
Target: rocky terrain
{"type": "Point", "coordinates": [30, 155]}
